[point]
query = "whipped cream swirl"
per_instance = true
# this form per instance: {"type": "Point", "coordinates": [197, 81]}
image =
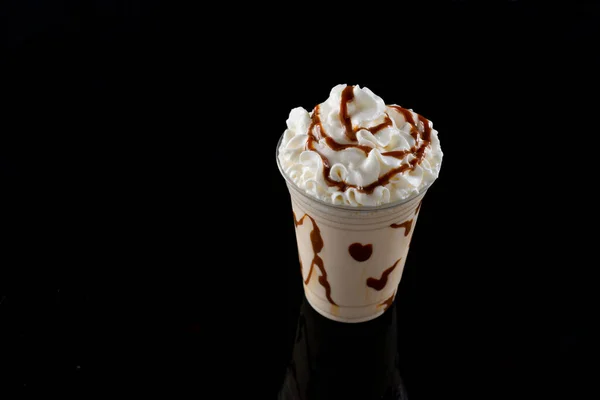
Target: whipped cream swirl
{"type": "Point", "coordinates": [354, 150]}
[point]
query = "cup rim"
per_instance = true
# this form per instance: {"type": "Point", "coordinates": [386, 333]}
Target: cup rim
{"type": "Point", "coordinates": [359, 209]}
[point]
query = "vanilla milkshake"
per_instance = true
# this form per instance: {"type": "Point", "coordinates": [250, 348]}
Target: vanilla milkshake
{"type": "Point", "coordinates": [357, 170]}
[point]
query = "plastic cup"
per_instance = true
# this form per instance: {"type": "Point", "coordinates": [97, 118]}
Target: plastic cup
{"type": "Point", "coordinates": [352, 258]}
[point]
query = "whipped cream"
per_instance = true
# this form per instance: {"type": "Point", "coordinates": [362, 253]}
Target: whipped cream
{"type": "Point", "coordinates": [354, 150]}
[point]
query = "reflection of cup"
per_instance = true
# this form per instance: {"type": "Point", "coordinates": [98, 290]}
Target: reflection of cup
{"type": "Point", "coordinates": [332, 360]}
{"type": "Point", "coordinates": [351, 257]}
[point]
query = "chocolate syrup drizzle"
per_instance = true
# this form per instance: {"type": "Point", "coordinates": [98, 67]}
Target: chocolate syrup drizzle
{"type": "Point", "coordinates": [388, 302]}
{"type": "Point", "coordinates": [317, 244]}
{"type": "Point", "coordinates": [406, 225]}
{"type": "Point", "coordinates": [360, 252]}
{"type": "Point", "coordinates": [379, 284]}
{"type": "Point", "coordinates": [347, 96]}
{"type": "Point", "coordinates": [418, 207]}
{"type": "Point", "coordinates": [316, 132]}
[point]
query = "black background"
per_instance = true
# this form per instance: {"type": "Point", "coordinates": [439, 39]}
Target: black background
{"type": "Point", "coordinates": [138, 160]}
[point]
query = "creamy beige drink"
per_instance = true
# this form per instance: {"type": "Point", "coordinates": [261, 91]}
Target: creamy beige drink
{"type": "Point", "coordinates": [357, 171]}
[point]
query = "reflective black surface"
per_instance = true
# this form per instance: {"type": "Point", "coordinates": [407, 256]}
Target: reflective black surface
{"type": "Point", "coordinates": [178, 268]}
{"type": "Point", "coordinates": [334, 360]}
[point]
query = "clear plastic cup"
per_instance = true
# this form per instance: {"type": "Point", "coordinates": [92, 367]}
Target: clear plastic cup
{"type": "Point", "coordinates": [351, 258]}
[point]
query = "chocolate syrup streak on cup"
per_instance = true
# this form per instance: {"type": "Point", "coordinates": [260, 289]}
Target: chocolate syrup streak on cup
{"type": "Point", "coordinates": [317, 245]}
{"type": "Point", "coordinates": [359, 251]}
{"type": "Point", "coordinates": [379, 284]}
{"type": "Point", "coordinates": [418, 207]}
{"type": "Point", "coordinates": [406, 225]}
{"type": "Point", "coordinates": [388, 303]}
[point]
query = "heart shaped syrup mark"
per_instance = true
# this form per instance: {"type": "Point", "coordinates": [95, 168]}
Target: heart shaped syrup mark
{"type": "Point", "coordinates": [360, 252]}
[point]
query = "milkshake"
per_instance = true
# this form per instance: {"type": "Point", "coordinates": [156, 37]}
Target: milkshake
{"type": "Point", "coordinates": [357, 170]}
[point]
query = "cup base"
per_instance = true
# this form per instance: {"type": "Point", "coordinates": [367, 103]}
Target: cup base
{"type": "Point", "coordinates": [344, 314]}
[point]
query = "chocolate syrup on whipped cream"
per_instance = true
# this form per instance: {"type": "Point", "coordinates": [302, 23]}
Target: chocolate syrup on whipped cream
{"type": "Point", "coordinates": [350, 132]}
{"type": "Point", "coordinates": [414, 132]}
{"type": "Point", "coordinates": [316, 132]}
{"type": "Point", "coordinates": [317, 244]}
{"type": "Point", "coordinates": [347, 96]}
